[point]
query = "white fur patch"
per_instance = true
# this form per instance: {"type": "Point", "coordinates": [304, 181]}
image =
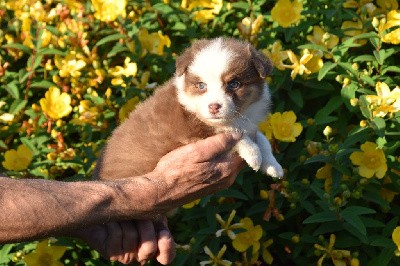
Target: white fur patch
{"type": "Point", "coordinates": [209, 65]}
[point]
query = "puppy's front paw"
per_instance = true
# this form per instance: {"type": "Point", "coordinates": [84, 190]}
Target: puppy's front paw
{"type": "Point", "coordinates": [254, 162]}
{"type": "Point", "coordinates": [274, 170]}
{"type": "Point", "coordinates": [252, 155]}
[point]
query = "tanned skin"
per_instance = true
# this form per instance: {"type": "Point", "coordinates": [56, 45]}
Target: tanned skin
{"type": "Point", "coordinates": [34, 209]}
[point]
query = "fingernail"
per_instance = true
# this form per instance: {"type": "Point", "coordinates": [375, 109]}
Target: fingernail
{"type": "Point", "coordinates": [164, 233]}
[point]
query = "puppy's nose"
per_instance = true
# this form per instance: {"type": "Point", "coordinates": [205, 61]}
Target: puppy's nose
{"type": "Point", "coordinates": [213, 108]}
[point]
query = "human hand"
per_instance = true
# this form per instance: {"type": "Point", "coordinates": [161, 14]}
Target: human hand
{"type": "Point", "coordinates": [129, 241]}
{"type": "Point", "coordinates": [195, 170]}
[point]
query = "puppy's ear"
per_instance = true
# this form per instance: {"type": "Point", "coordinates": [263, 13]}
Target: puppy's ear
{"type": "Point", "coordinates": [183, 61]}
{"type": "Point", "coordinates": [187, 57]}
{"type": "Point", "coordinates": [261, 62]}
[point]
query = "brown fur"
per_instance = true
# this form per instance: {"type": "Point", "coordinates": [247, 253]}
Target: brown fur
{"type": "Point", "coordinates": [156, 127]}
{"type": "Point", "coordinates": [161, 124]}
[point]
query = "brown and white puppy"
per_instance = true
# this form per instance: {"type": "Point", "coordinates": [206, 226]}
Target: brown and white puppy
{"type": "Point", "coordinates": [218, 87]}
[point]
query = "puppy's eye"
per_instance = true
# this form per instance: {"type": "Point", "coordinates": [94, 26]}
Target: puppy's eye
{"type": "Point", "coordinates": [233, 85]}
{"type": "Point", "coordinates": [201, 85]}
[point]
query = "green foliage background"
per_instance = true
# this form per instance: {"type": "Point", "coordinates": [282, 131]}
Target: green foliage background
{"type": "Point", "coordinates": [300, 214]}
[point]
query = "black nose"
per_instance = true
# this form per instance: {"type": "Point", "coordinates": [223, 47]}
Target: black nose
{"type": "Point", "coordinates": [213, 108]}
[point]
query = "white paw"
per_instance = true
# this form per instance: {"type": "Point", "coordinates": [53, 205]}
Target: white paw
{"type": "Point", "coordinates": [274, 170]}
{"type": "Point", "coordinates": [254, 162]}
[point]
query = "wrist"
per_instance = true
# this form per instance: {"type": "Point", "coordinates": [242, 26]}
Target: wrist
{"type": "Point", "coordinates": [136, 197]}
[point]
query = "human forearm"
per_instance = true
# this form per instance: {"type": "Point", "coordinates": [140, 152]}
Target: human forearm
{"type": "Point", "coordinates": [39, 208]}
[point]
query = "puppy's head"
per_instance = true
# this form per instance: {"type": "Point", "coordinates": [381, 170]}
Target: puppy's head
{"type": "Point", "coordinates": [219, 79]}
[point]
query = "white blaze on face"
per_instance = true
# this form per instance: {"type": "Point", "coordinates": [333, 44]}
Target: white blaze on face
{"type": "Point", "coordinates": [209, 65]}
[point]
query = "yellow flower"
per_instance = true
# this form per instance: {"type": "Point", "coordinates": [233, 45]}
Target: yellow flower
{"type": "Point", "coordinates": [191, 204]}
{"type": "Point", "coordinates": [215, 260]}
{"type": "Point", "coordinates": [325, 172]}
{"type": "Point", "coordinates": [88, 113]}
{"type": "Point", "coordinates": [205, 10]}
{"type": "Point", "coordinates": [69, 65]}
{"type": "Point", "coordinates": [287, 12]}
{"type": "Point", "coordinates": [323, 38]}
{"type": "Point", "coordinates": [387, 194]}
{"type": "Point", "coordinates": [227, 226]}
{"type": "Point", "coordinates": [316, 62]}
{"type": "Point", "coordinates": [17, 160]}
{"type": "Point", "coordinates": [127, 108]}
{"type": "Point", "coordinates": [109, 10]}
{"type": "Point", "coordinates": [250, 28]}
{"type": "Point", "coordinates": [45, 255]}
{"type": "Point", "coordinates": [266, 255]}
{"type": "Point", "coordinates": [386, 101]}
{"type": "Point", "coordinates": [339, 257]}
{"type": "Point", "coordinates": [299, 66]}
{"type": "Point", "coordinates": [387, 5]}
{"type": "Point", "coordinates": [56, 105]}
{"type": "Point", "coordinates": [396, 237]}
{"type": "Point", "coordinates": [371, 160]}
{"type": "Point", "coordinates": [352, 29]}
{"type": "Point", "coordinates": [284, 126]}
{"type": "Point", "coordinates": [250, 237]}
{"type": "Point", "coordinates": [74, 6]}
{"type": "Point", "coordinates": [392, 20]}
{"type": "Point", "coordinates": [276, 55]}
{"type": "Point", "coordinates": [129, 70]}
{"type": "Point", "coordinates": [153, 43]}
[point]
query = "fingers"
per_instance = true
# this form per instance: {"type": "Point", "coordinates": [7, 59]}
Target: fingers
{"type": "Point", "coordinates": [129, 241]}
{"type": "Point", "coordinates": [121, 243]}
{"type": "Point", "coordinates": [166, 245]}
{"type": "Point", "coordinates": [114, 243]}
{"type": "Point", "coordinates": [148, 241]}
{"type": "Point", "coordinates": [213, 146]}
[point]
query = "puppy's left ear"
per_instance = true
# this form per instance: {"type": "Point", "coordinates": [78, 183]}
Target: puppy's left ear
{"type": "Point", "coordinates": [183, 61]}
{"type": "Point", "coordinates": [261, 63]}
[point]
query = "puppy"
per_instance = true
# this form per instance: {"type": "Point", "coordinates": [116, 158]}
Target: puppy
{"type": "Point", "coordinates": [218, 87]}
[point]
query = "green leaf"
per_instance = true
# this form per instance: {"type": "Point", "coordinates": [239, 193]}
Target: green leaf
{"type": "Point", "coordinates": [348, 67]}
{"type": "Point", "coordinates": [13, 90]}
{"type": "Point", "coordinates": [325, 69]}
{"type": "Point", "coordinates": [27, 142]}
{"type": "Point", "coordinates": [362, 101]}
{"type": "Point", "coordinates": [17, 106]}
{"type": "Point", "coordinates": [42, 84]}
{"type": "Point", "coordinates": [18, 46]}
{"type": "Point", "coordinates": [51, 51]}
{"type": "Point", "coordinates": [355, 221]}
{"type": "Point", "coordinates": [231, 193]}
{"type": "Point", "coordinates": [379, 126]}
{"type": "Point", "coordinates": [318, 159]}
{"type": "Point", "coordinates": [395, 69]}
{"type": "Point", "coordinates": [37, 62]}
{"type": "Point", "coordinates": [296, 97]}
{"type": "Point", "coordinates": [322, 116]}
{"type": "Point", "coordinates": [367, 79]}
{"type": "Point", "coordinates": [383, 259]}
{"type": "Point", "coordinates": [4, 253]}
{"type": "Point", "coordinates": [357, 210]}
{"type": "Point", "coordinates": [380, 56]}
{"type": "Point", "coordinates": [3, 145]}
{"type": "Point", "coordinates": [364, 58]}
{"type": "Point", "coordinates": [382, 242]}
{"type": "Point", "coordinates": [321, 217]}
{"type": "Point", "coordinates": [110, 38]}
{"type": "Point", "coordinates": [311, 46]}
{"type": "Point", "coordinates": [163, 8]}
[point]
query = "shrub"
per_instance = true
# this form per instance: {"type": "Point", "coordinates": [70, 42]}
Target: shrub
{"type": "Point", "coordinates": [72, 70]}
